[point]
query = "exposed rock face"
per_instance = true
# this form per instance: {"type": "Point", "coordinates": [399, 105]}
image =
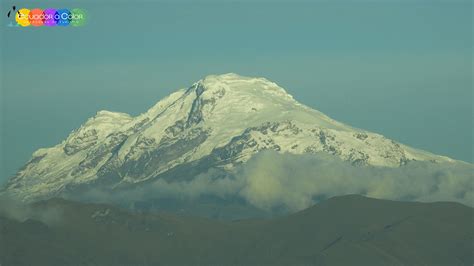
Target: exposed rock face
{"type": "Point", "coordinates": [219, 122]}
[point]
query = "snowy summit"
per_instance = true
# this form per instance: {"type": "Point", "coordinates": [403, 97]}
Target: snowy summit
{"type": "Point", "coordinates": [220, 121]}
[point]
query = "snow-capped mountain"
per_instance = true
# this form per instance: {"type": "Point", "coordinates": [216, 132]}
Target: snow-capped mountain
{"type": "Point", "coordinates": [219, 122]}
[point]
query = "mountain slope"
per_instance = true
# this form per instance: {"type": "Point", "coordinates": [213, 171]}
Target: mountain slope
{"type": "Point", "coordinates": [347, 230]}
{"type": "Point", "coordinates": [219, 122]}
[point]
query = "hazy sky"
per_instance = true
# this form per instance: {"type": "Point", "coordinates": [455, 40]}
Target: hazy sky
{"type": "Point", "coordinates": [399, 68]}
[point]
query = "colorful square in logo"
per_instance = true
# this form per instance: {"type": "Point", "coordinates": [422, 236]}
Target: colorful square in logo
{"type": "Point", "coordinates": [22, 17]}
{"type": "Point", "coordinates": [36, 17]}
{"type": "Point", "coordinates": [49, 17]}
{"type": "Point", "coordinates": [64, 17]}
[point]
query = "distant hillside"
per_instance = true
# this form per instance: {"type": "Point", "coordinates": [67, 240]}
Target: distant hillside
{"type": "Point", "coordinates": [347, 230]}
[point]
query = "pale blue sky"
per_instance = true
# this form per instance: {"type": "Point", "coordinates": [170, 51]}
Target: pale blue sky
{"type": "Point", "coordinates": [399, 68]}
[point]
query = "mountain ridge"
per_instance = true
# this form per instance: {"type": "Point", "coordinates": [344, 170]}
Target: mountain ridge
{"type": "Point", "coordinates": [219, 121]}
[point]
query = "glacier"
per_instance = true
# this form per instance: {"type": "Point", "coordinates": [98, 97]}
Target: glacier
{"type": "Point", "coordinates": [218, 122]}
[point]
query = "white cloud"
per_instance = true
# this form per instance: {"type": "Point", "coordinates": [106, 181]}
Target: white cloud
{"type": "Point", "coordinates": [293, 182]}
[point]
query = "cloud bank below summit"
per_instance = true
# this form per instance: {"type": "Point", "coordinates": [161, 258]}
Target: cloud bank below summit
{"type": "Point", "coordinates": [296, 181]}
{"type": "Point", "coordinates": [14, 209]}
{"type": "Point", "coordinates": [271, 180]}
